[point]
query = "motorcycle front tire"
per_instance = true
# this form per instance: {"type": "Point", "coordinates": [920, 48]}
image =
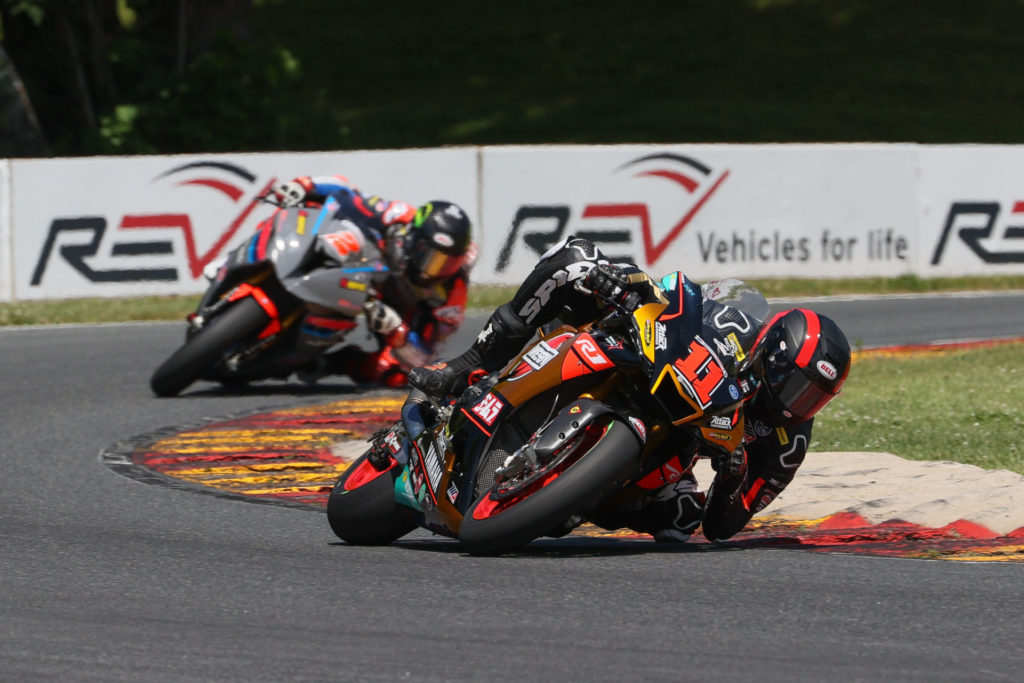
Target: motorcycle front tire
{"type": "Point", "coordinates": [208, 346]}
{"type": "Point", "coordinates": [571, 492]}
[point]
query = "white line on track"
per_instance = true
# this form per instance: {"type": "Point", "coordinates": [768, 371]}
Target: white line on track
{"type": "Point", "coordinates": [919, 295]}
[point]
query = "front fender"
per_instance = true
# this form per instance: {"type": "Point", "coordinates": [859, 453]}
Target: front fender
{"type": "Point", "coordinates": [575, 418]}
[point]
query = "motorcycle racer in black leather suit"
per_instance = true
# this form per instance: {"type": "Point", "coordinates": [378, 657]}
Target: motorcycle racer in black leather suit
{"type": "Point", "coordinates": [802, 360]}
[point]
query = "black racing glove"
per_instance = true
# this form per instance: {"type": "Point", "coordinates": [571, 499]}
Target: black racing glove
{"type": "Point", "coordinates": [727, 465]}
{"type": "Point", "coordinates": [608, 282]}
{"type": "Point", "coordinates": [437, 380]}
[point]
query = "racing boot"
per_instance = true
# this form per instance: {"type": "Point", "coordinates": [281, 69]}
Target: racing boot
{"type": "Point", "coordinates": [503, 336]}
{"type": "Point", "coordinates": [671, 514]}
{"type": "Point", "coordinates": [677, 509]}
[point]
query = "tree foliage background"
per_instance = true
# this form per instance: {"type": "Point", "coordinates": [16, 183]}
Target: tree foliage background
{"type": "Point", "coordinates": [193, 76]}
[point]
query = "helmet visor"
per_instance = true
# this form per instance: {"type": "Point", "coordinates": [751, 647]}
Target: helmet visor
{"type": "Point", "coordinates": [800, 396]}
{"type": "Point", "coordinates": [434, 264]}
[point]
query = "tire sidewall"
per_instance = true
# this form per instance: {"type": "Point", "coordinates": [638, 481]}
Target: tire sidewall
{"type": "Point", "coordinates": [203, 350]}
{"type": "Point", "coordinates": [583, 484]}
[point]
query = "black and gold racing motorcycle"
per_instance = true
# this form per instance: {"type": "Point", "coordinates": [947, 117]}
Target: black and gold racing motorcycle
{"type": "Point", "coordinates": [563, 432]}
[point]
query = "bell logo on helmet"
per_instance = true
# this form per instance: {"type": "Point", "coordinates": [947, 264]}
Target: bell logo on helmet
{"type": "Point", "coordinates": [827, 370]}
{"type": "Point", "coordinates": [444, 240]}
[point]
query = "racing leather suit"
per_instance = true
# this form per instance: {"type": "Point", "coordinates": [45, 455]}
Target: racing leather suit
{"type": "Point", "coordinates": [670, 506]}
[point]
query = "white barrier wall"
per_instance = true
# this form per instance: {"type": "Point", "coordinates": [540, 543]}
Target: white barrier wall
{"type": "Point", "coordinates": [972, 210]}
{"type": "Point", "coordinates": [710, 210]}
{"type": "Point", "coordinates": [148, 225]}
{"type": "Point", "coordinates": [6, 264]}
{"type": "Point", "coordinates": [124, 226]}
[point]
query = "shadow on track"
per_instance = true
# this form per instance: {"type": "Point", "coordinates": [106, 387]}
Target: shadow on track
{"type": "Point", "coordinates": [569, 547]}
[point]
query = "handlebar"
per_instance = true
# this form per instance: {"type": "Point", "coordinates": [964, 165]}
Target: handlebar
{"type": "Point", "coordinates": [269, 197]}
{"type": "Point", "coordinates": [621, 313]}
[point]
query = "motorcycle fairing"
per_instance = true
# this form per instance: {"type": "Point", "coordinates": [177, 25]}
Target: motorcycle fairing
{"type": "Point", "coordinates": [572, 420]}
{"type": "Point", "coordinates": [725, 430]}
{"type": "Point", "coordinates": [426, 485]}
{"type": "Point", "coordinates": [294, 239]}
{"type": "Point", "coordinates": [425, 472]}
{"type": "Point", "coordinates": [487, 410]}
{"type": "Point", "coordinates": [257, 248]}
{"type": "Point", "coordinates": [575, 354]}
{"type": "Point", "coordinates": [266, 303]}
{"type": "Point", "coordinates": [690, 377]}
{"type": "Point", "coordinates": [586, 357]}
{"type": "Point", "coordinates": [542, 353]}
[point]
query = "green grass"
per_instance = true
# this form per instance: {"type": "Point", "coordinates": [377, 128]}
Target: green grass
{"type": "Point", "coordinates": [906, 284]}
{"type": "Point", "coordinates": [58, 311]}
{"type": "Point", "coordinates": [959, 405]}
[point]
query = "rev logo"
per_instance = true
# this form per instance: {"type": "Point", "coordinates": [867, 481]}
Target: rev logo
{"type": "Point", "coordinates": [695, 179]}
{"type": "Point", "coordinates": [124, 243]}
{"type": "Point", "coordinates": [975, 223]}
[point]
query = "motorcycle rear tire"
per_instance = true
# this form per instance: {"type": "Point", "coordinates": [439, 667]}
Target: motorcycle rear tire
{"type": "Point", "coordinates": [572, 492]}
{"type": "Point", "coordinates": [207, 347]}
{"type": "Point", "coordinates": [368, 514]}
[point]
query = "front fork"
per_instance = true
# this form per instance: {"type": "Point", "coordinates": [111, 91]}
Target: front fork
{"type": "Point", "coordinates": [267, 337]}
{"type": "Point", "coordinates": [266, 303]}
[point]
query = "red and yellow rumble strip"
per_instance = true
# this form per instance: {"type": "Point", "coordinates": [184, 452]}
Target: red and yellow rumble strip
{"type": "Point", "coordinates": [296, 455]}
{"type": "Point", "coordinates": [847, 532]}
{"type": "Point", "coordinates": [286, 454]}
{"type": "Point", "coordinates": [922, 349]}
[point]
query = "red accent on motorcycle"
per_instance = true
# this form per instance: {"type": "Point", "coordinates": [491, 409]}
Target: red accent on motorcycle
{"type": "Point", "coordinates": [364, 473]}
{"type": "Point", "coordinates": [245, 289]}
{"type": "Point", "coordinates": [266, 230]}
{"type": "Point", "coordinates": [339, 324]}
{"type": "Point", "coordinates": [557, 341]}
{"type": "Point", "coordinates": [665, 315]}
{"type": "Point", "coordinates": [580, 445]}
{"type": "Point", "coordinates": [476, 422]}
{"type": "Point", "coordinates": [343, 242]}
{"type": "Point", "coordinates": [586, 357]}
{"type": "Point", "coordinates": [522, 369]}
{"type": "Point", "coordinates": [701, 371]}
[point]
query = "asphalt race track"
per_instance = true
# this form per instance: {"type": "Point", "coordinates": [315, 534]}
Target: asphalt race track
{"type": "Point", "coordinates": [106, 578]}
